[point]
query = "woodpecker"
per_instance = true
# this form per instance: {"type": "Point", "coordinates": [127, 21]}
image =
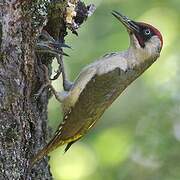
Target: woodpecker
{"type": "Point", "coordinates": [99, 84]}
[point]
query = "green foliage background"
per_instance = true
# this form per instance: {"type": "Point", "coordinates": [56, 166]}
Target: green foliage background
{"type": "Point", "coordinates": [139, 135]}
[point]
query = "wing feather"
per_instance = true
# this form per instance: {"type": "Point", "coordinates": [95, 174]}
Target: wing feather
{"type": "Point", "coordinates": [98, 94]}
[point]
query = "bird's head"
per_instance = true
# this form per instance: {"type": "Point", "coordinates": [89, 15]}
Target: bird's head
{"type": "Point", "coordinates": [144, 37]}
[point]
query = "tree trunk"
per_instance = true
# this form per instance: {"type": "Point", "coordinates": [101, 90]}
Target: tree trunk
{"type": "Point", "coordinates": [23, 120]}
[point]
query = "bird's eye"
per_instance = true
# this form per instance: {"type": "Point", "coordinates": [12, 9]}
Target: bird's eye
{"type": "Point", "coordinates": [147, 32]}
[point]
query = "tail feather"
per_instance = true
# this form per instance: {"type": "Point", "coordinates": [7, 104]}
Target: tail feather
{"type": "Point", "coordinates": [70, 144]}
{"type": "Point", "coordinates": [53, 144]}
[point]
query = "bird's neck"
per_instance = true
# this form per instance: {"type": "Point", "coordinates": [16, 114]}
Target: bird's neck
{"type": "Point", "coordinates": [136, 57]}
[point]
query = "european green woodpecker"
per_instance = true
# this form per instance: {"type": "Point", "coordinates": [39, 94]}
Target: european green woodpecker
{"type": "Point", "coordinates": [99, 84]}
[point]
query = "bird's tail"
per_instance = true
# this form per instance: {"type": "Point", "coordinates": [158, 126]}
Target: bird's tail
{"type": "Point", "coordinates": [53, 144]}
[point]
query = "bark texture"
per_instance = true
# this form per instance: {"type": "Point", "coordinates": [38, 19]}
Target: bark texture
{"type": "Point", "coordinates": [23, 120]}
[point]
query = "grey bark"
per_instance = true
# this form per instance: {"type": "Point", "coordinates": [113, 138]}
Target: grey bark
{"type": "Point", "coordinates": [23, 120]}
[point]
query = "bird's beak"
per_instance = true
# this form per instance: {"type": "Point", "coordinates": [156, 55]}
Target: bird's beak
{"type": "Point", "coordinates": [129, 24]}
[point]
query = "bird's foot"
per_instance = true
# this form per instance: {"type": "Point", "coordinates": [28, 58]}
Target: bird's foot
{"type": "Point", "coordinates": [58, 95]}
{"type": "Point", "coordinates": [47, 44]}
{"type": "Point", "coordinates": [46, 83]}
{"type": "Point", "coordinates": [42, 88]}
{"type": "Point", "coordinates": [67, 85]}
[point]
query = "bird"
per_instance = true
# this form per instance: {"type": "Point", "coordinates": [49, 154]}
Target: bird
{"type": "Point", "coordinates": [100, 83]}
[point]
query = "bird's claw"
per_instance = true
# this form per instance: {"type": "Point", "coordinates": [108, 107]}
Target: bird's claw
{"type": "Point", "coordinates": [50, 47]}
{"type": "Point", "coordinates": [37, 95]}
{"type": "Point", "coordinates": [48, 44]}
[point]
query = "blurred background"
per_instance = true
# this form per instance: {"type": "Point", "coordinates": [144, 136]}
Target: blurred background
{"type": "Point", "coordinates": [138, 137]}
